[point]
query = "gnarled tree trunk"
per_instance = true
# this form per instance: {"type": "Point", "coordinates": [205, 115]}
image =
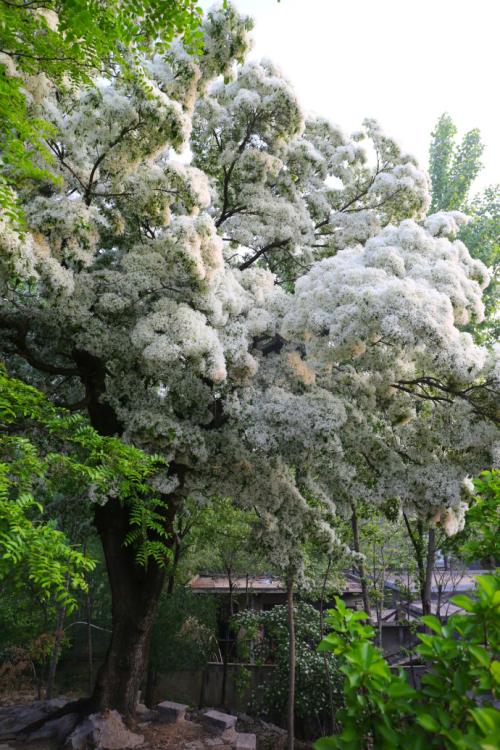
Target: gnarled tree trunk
{"type": "Point", "coordinates": [135, 592]}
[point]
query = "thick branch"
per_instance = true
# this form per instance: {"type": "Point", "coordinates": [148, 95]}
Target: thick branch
{"type": "Point", "coordinates": [271, 246]}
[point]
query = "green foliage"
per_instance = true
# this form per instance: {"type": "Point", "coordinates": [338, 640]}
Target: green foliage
{"type": "Point", "coordinates": [453, 168]}
{"type": "Point", "coordinates": [482, 237]}
{"type": "Point", "coordinates": [480, 538]}
{"type": "Point", "coordinates": [184, 633]}
{"type": "Point", "coordinates": [68, 42]}
{"type": "Point", "coordinates": [452, 710]}
{"type": "Point", "coordinates": [266, 639]}
{"type": "Point", "coordinates": [222, 539]}
{"type": "Point", "coordinates": [45, 451]}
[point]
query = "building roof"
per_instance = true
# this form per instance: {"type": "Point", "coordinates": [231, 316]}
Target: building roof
{"type": "Point", "coordinates": [219, 584]}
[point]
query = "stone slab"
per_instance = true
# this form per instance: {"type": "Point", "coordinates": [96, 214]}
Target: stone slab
{"type": "Point", "coordinates": [219, 721]}
{"type": "Point", "coordinates": [245, 741]}
{"type": "Point", "coordinates": [170, 712]}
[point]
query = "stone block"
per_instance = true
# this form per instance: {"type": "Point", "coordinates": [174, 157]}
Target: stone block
{"type": "Point", "coordinates": [245, 741]}
{"type": "Point", "coordinates": [170, 712]}
{"type": "Point", "coordinates": [218, 721]}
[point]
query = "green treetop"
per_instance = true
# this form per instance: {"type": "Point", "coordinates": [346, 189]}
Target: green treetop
{"type": "Point", "coordinates": [453, 167]}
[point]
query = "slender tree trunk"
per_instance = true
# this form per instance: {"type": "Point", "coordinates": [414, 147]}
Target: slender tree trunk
{"type": "Point", "coordinates": [135, 593]}
{"type": "Point", "coordinates": [331, 727]}
{"type": "Point", "coordinates": [225, 652]}
{"type": "Point", "coordinates": [425, 560]}
{"type": "Point", "coordinates": [360, 565]}
{"type": "Point", "coordinates": [381, 599]}
{"type": "Point", "coordinates": [429, 568]}
{"type": "Point", "coordinates": [290, 724]}
{"type": "Point", "coordinates": [54, 657]}
{"type": "Point", "coordinates": [90, 645]}
{"type": "Point", "coordinates": [173, 568]}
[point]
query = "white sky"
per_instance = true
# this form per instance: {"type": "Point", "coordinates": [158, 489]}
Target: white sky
{"type": "Point", "coordinates": [404, 62]}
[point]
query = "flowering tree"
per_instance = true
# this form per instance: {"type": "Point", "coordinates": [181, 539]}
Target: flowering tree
{"type": "Point", "coordinates": [276, 318]}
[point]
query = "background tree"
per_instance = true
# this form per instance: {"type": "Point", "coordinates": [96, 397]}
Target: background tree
{"type": "Point", "coordinates": [453, 168]}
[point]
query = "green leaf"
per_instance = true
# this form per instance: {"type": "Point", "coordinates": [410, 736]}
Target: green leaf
{"type": "Point", "coordinates": [432, 622]}
{"type": "Point", "coordinates": [428, 722]}
{"type": "Point", "coordinates": [481, 655]}
{"type": "Point", "coordinates": [487, 719]}
{"type": "Point", "coordinates": [464, 602]}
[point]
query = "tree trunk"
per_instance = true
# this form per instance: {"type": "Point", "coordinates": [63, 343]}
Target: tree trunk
{"type": "Point", "coordinates": [331, 727]}
{"type": "Point", "coordinates": [290, 724]}
{"type": "Point", "coordinates": [54, 657]}
{"type": "Point", "coordinates": [425, 560]}
{"type": "Point", "coordinates": [225, 652]}
{"type": "Point", "coordinates": [360, 565]}
{"type": "Point", "coordinates": [173, 566]}
{"type": "Point", "coordinates": [90, 645]}
{"type": "Point", "coordinates": [429, 567]}
{"type": "Point", "coordinates": [135, 592]}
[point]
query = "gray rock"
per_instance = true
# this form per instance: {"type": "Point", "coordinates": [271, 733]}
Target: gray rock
{"type": "Point", "coordinates": [103, 731]}
{"type": "Point", "coordinates": [169, 712]}
{"type": "Point", "coordinates": [13, 719]}
{"type": "Point", "coordinates": [57, 729]}
{"type": "Point", "coordinates": [245, 741]}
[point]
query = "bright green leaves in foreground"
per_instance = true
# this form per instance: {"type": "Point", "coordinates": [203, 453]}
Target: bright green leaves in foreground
{"type": "Point", "coordinates": [452, 710]}
{"type": "Point", "coordinates": [46, 453]}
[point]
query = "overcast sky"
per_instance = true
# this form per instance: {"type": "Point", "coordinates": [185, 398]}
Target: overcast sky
{"type": "Point", "coordinates": [404, 62]}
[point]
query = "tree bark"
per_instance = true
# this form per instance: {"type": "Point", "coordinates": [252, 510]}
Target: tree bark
{"type": "Point", "coordinates": [360, 565]}
{"type": "Point", "coordinates": [290, 725]}
{"type": "Point", "coordinates": [135, 592]}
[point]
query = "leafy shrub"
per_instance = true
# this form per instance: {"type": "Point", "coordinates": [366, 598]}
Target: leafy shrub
{"type": "Point", "coordinates": [452, 710]}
